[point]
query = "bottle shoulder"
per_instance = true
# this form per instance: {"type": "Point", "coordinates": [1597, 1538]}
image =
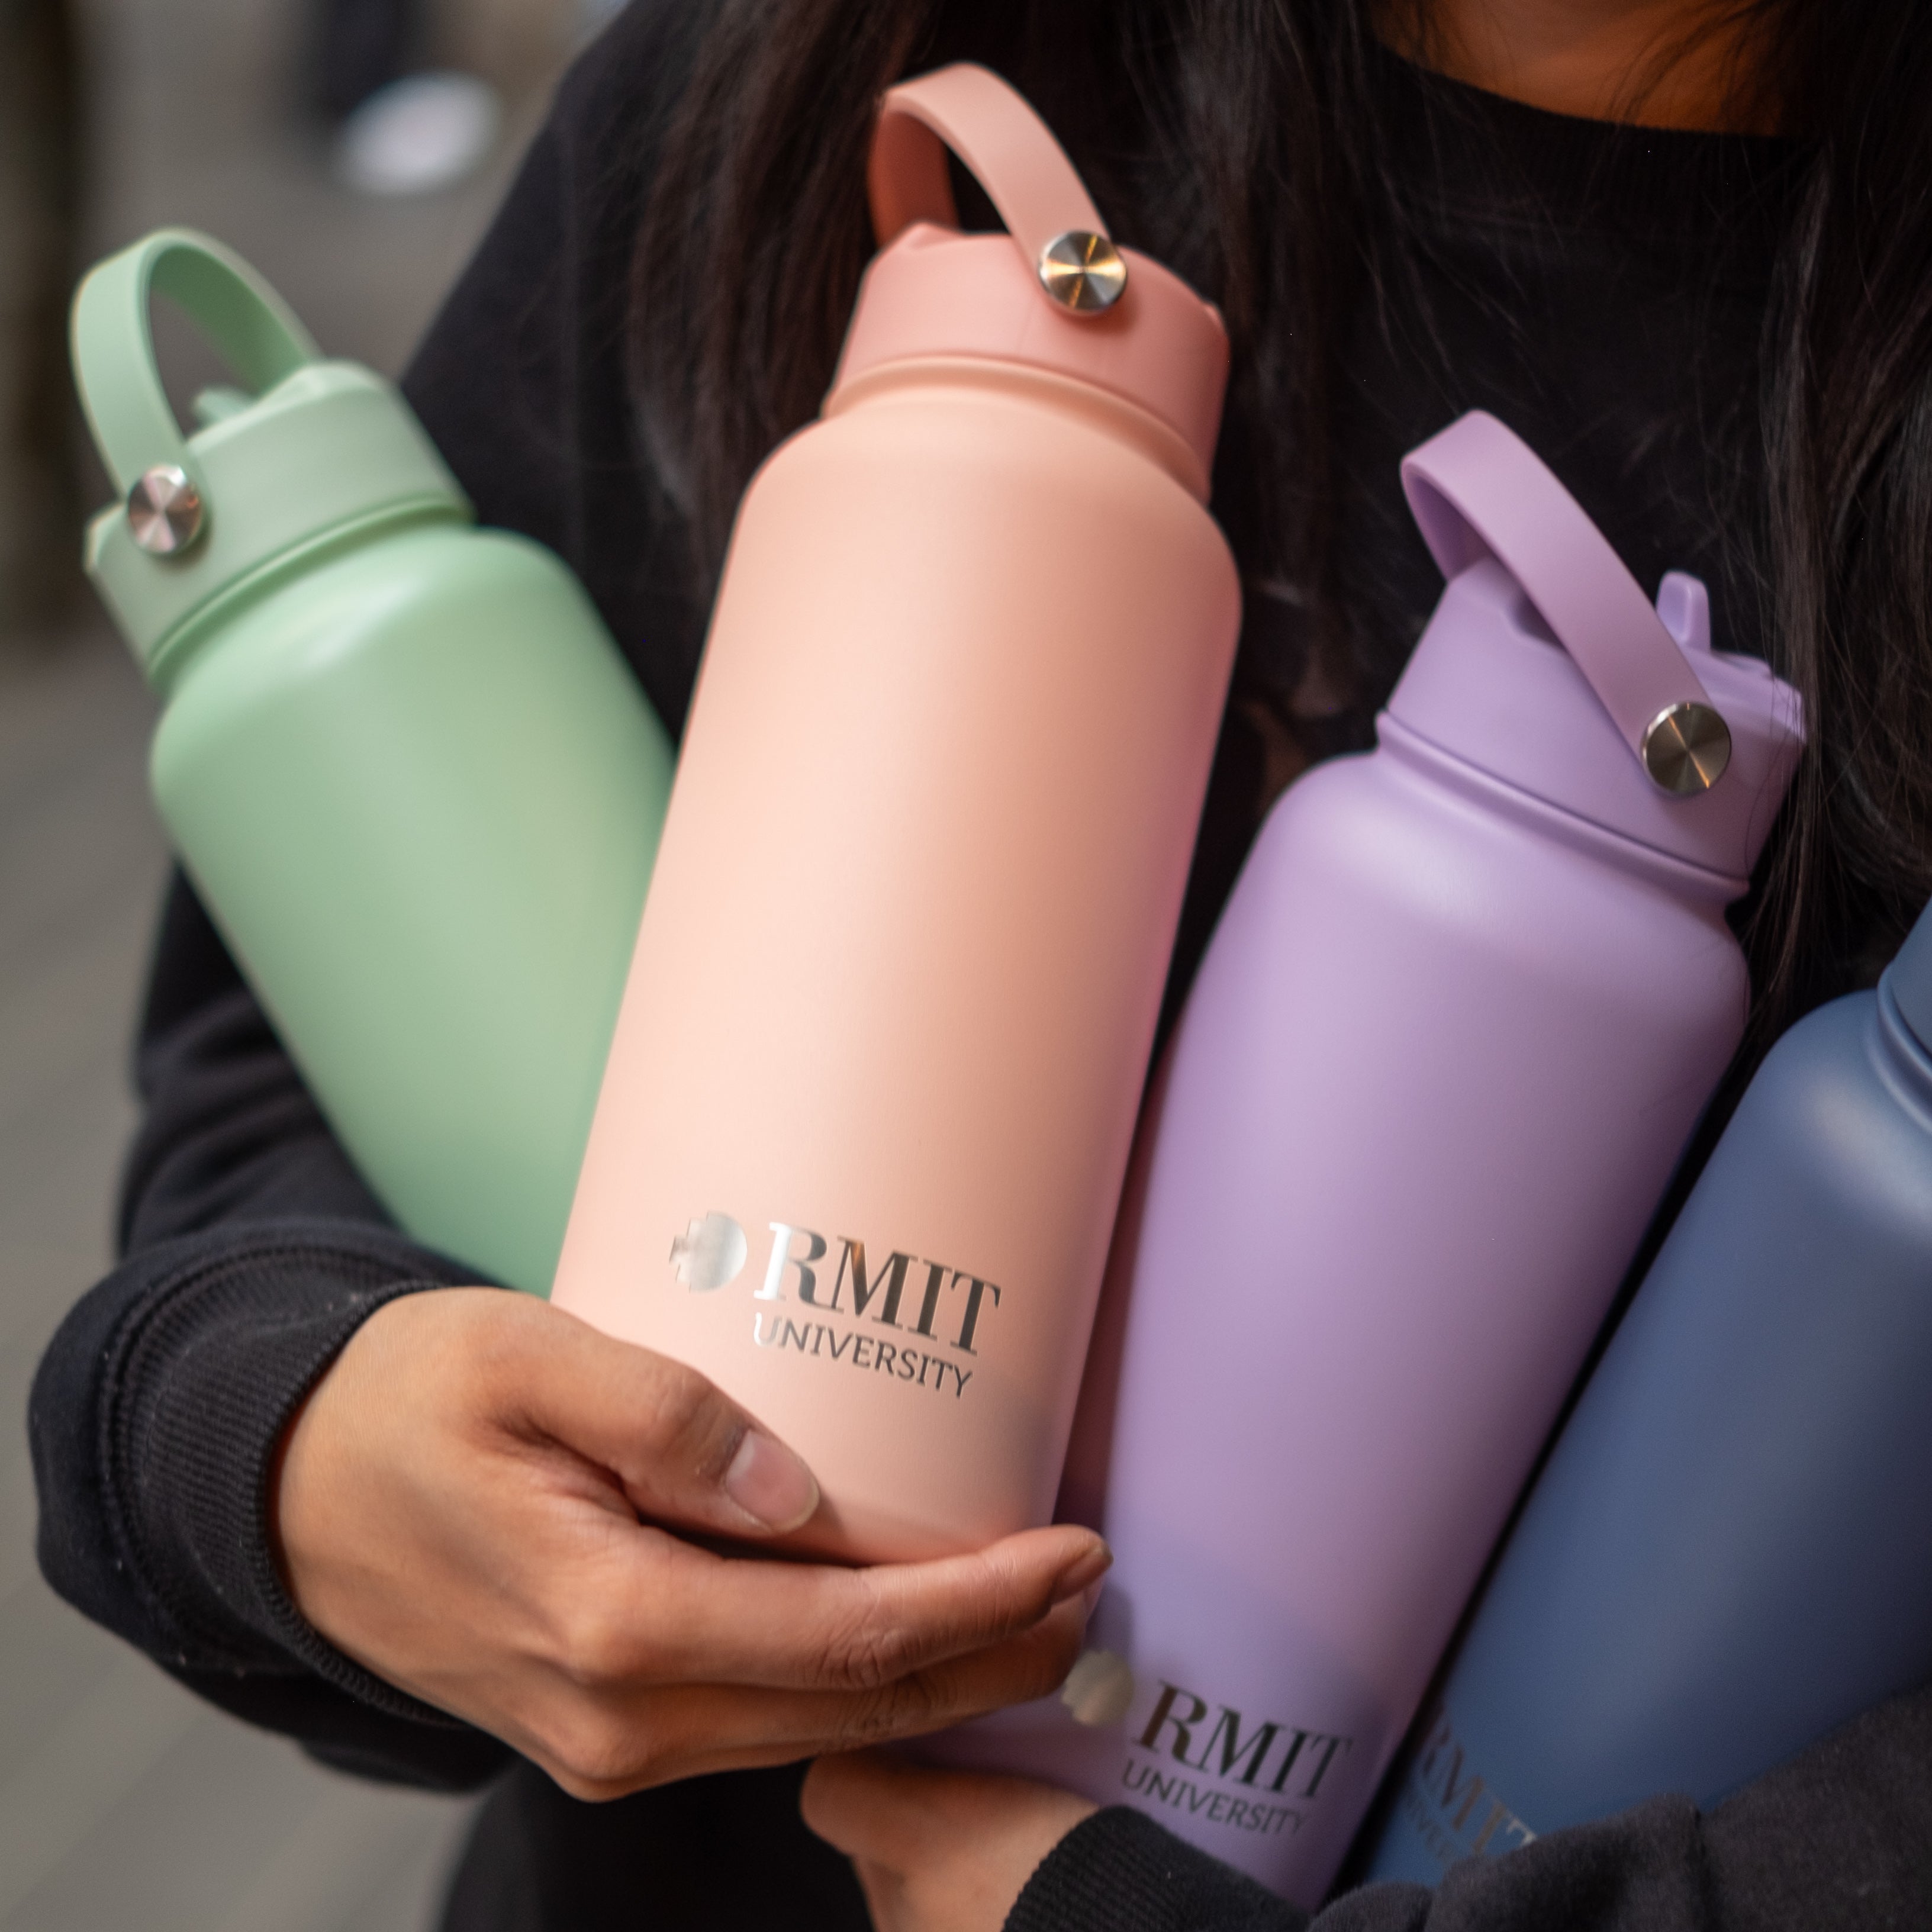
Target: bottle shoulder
{"type": "Point", "coordinates": [1097, 403]}
{"type": "Point", "coordinates": [1066, 440]}
{"type": "Point", "coordinates": [1837, 1112]}
{"type": "Point", "coordinates": [355, 589]}
{"type": "Point", "coordinates": [1371, 823]}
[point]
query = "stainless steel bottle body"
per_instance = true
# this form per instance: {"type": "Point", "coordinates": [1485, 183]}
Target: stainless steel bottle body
{"type": "Point", "coordinates": [1730, 1551]}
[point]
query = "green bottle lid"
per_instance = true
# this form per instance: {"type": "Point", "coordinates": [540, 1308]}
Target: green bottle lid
{"type": "Point", "coordinates": [306, 453]}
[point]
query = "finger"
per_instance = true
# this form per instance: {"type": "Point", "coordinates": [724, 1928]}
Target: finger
{"type": "Point", "coordinates": [715, 1619]}
{"type": "Point", "coordinates": [812, 1722]}
{"type": "Point", "coordinates": [682, 1449]}
{"type": "Point", "coordinates": [599, 1747]}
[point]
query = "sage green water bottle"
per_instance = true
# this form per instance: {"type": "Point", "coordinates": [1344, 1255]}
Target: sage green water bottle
{"type": "Point", "coordinates": [401, 757]}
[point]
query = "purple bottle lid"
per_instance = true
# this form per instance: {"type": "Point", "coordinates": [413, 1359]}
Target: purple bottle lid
{"type": "Point", "coordinates": [1546, 666]}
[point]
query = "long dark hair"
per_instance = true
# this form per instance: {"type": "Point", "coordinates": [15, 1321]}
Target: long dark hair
{"type": "Point", "coordinates": [1237, 140]}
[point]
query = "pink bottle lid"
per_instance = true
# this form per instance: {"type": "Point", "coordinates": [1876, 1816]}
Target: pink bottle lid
{"type": "Point", "coordinates": [1546, 666]}
{"type": "Point", "coordinates": [932, 292]}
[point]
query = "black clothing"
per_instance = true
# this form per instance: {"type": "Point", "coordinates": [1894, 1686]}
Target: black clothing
{"type": "Point", "coordinates": [725, 1851]}
{"type": "Point", "coordinates": [1553, 267]}
{"type": "Point", "coordinates": [1839, 1837]}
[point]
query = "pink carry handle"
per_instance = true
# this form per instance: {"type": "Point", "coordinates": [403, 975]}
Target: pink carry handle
{"type": "Point", "coordinates": [1051, 294]}
{"type": "Point", "coordinates": [1008, 148]}
{"type": "Point", "coordinates": [1477, 491]}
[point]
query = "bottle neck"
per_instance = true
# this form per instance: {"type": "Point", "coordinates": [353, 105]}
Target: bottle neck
{"type": "Point", "coordinates": [172, 656]}
{"type": "Point", "coordinates": [1693, 883]}
{"type": "Point", "coordinates": [1087, 403]}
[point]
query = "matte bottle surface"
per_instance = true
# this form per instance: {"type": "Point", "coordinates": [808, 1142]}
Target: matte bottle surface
{"type": "Point", "coordinates": [1446, 1047]}
{"type": "Point", "coordinates": [419, 791]}
{"type": "Point", "coordinates": [1315, 1449]}
{"type": "Point", "coordinates": [1729, 1551]}
{"type": "Point", "coordinates": [861, 1137]}
{"type": "Point", "coordinates": [415, 784]}
{"type": "Point", "coordinates": [906, 944]}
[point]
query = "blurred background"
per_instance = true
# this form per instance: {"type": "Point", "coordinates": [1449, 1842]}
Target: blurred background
{"type": "Point", "coordinates": [310, 141]}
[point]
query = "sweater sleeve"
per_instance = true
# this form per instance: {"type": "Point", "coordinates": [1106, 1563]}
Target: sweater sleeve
{"type": "Point", "coordinates": [1840, 1836]}
{"type": "Point", "coordinates": [251, 1249]}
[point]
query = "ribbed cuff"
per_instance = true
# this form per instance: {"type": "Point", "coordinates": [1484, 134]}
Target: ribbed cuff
{"type": "Point", "coordinates": [201, 1381]}
{"type": "Point", "coordinates": [1120, 1872]}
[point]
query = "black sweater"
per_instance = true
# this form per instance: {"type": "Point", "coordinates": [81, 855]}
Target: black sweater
{"type": "Point", "coordinates": [1555, 262]}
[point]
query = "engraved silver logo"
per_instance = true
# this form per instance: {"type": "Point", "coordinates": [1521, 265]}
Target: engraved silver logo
{"type": "Point", "coordinates": [1099, 1688]}
{"type": "Point", "coordinates": [710, 1253]}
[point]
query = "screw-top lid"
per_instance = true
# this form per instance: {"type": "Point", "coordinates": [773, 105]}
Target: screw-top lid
{"type": "Point", "coordinates": [1546, 666]}
{"type": "Point", "coordinates": [314, 448]}
{"type": "Point", "coordinates": [1052, 293]}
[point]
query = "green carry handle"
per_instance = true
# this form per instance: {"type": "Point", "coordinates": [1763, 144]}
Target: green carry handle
{"type": "Point", "coordinates": [242, 319]}
{"type": "Point", "coordinates": [316, 452]}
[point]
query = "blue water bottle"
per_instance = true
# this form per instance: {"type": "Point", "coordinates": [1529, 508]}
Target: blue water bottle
{"type": "Point", "coordinates": [1730, 1551]}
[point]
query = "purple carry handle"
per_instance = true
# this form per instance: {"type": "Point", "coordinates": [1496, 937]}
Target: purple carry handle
{"type": "Point", "coordinates": [1477, 490]}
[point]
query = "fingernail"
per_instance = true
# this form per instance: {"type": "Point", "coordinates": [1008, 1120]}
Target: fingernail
{"type": "Point", "coordinates": [1086, 1568]}
{"type": "Point", "coordinates": [768, 1482]}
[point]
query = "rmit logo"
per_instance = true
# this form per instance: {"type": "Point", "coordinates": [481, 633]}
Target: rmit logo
{"type": "Point", "coordinates": [711, 1252]}
{"type": "Point", "coordinates": [1448, 1803]}
{"type": "Point", "coordinates": [1298, 1759]}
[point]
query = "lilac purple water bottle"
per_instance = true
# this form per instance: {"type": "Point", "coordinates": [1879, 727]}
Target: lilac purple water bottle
{"type": "Point", "coordinates": [1462, 1013]}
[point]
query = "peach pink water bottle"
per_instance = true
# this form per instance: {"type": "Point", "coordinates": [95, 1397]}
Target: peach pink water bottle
{"type": "Point", "coordinates": [863, 1129]}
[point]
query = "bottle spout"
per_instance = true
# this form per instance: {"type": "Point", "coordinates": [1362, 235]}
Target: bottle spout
{"type": "Point", "coordinates": [1683, 608]}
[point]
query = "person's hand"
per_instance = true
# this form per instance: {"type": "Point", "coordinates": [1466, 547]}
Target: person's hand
{"type": "Point", "coordinates": [457, 1508]}
{"type": "Point", "coordinates": [936, 1851]}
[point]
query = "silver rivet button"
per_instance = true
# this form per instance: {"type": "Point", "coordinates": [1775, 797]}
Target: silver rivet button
{"type": "Point", "coordinates": [165, 511]}
{"type": "Point", "coordinates": [1686, 748]}
{"type": "Point", "coordinates": [1082, 272]}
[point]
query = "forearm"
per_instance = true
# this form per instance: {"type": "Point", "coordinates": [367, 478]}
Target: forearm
{"type": "Point", "coordinates": [154, 1422]}
{"type": "Point", "coordinates": [252, 1251]}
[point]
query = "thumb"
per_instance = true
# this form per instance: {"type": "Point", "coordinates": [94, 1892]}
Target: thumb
{"type": "Point", "coordinates": [682, 1448]}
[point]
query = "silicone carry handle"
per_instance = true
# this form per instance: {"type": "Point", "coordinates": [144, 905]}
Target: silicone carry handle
{"type": "Point", "coordinates": [1477, 491]}
{"type": "Point", "coordinates": [241, 316]}
{"type": "Point", "coordinates": [1010, 152]}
